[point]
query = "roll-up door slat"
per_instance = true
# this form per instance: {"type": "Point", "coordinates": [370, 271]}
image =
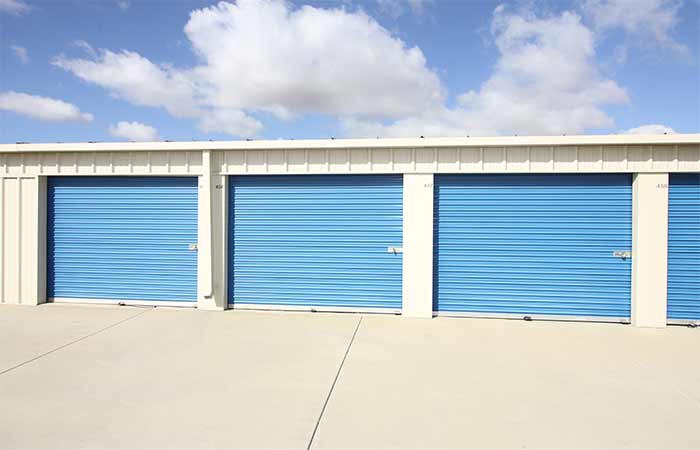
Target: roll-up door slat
{"type": "Point", "coordinates": [533, 244]}
{"type": "Point", "coordinates": [684, 246]}
{"type": "Point", "coordinates": [122, 238]}
{"type": "Point", "coordinates": [315, 241]}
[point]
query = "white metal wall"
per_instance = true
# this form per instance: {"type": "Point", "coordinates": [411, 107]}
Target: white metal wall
{"type": "Point", "coordinates": [517, 159]}
{"type": "Point", "coordinates": [102, 163]}
{"type": "Point", "coordinates": [20, 242]}
{"type": "Point", "coordinates": [527, 159]}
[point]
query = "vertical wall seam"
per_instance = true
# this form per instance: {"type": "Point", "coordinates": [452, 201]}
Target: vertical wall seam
{"type": "Point", "coordinates": [551, 153]}
{"type": "Point", "coordinates": [675, 157]}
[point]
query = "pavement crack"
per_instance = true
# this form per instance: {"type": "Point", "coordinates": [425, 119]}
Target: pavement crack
{"type": "Point", "coordinates": [75, 341]}
{"type": "Point", "coordinates": [335, 380]}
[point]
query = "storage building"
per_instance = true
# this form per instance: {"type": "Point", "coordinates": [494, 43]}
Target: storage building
{"type": "Point", "coordinates": [603, 228]}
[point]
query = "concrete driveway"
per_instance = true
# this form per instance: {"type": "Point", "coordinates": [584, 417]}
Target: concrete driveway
{"type": "Point", "coordinates": [102, 377]}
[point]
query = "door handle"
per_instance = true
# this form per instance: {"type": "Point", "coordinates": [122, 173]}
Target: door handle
{"type": "Point", "coordinates": [622, 254]}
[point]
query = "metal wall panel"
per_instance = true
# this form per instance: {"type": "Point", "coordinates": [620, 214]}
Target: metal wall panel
{"type": "Point", "coordinates": [122, 238]}
{"type": "Point", "coordinates": [305, 241]}
{"type": "Point", "coordinates": [19, 236]}
{"type": "Point", "coordinates": [533, 244]}
{"type": "Point", "coordinates": [684, 247]}
{"type": "Point", "coordinates": [472, 159]}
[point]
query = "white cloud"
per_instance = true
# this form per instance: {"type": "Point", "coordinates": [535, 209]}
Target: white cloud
{"type": "Point", "coordinates": [134, 78]}
{"type": "Point", "coordinates": [123, 5]}
{"type": "Point", "coordinates": [396, 8]}
{"type": "Point", "coordinates": [15, 7]}
{"type": "Point", "coordinates": [134, 131]}
{"type": "Point", "coordinates": [21, 53]}
{"type": "Point", "coordinates": [230, 121]}
{"type": "Point", "coordinates": [42, 108]}
{"type": "Point", "coordinates": [654, 128]}
{"type": "Point", "coordinates": [546, 81]}
{"type": "Point", "coordinates": [650, 20]}
{"type": "Point", "coordinates": [87, 48]}
{"type": "Point", "coordinates": [264, 55]}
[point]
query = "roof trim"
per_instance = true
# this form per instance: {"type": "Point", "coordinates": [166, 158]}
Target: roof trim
{"type": "Point", "coordinates": [504, 141]}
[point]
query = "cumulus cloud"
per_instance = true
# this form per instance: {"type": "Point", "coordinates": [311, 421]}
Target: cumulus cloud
{"type": "Point", "coordinates": [15, 7]}
{"type": "Point", "coordinates": [21, 53]}
{"type": "Point", "coordinates": [123, 5]}
{"type": "Point", "coordinates": [654, 128]}
{"type": "Point", "coordinates": [134, 78]}
{"type": "Point", "coordinates": [42, 108]}
{"type": "Point", "coordinates": [134, 131]}
{"type": "Point", "coordinates": [546, 81]}
{"type": "Point", "coordinates": [265, 55]}
{"type": "Point", "coordinates": [652, 20]}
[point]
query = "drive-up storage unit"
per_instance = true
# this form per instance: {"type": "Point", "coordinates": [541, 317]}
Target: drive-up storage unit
{"type": "Point", "coordinates": [122, 239]}
{"type": "Point", "coordinates": [574, 227]}
{"type": "Point", "coordinates": [318, 241]}
{"type": "Point", "coordinates": [534, 244]}
{"type": "Point", "coordinates": [684, 247]}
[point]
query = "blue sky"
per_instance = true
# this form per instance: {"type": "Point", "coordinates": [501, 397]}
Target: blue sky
{"type": "Point", "coordinates": [112, 70]}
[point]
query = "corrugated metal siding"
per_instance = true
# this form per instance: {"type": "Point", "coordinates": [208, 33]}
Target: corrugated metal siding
{"type": "Point", "coordinates": [684, 247]}
{"type": "Point", "coordinates": [122, 238]}
{"type": "Point", "coordinates": [315, 241]}
{"type": "Point", "coordinates": [473, 159]}
{"type": "Point", "coordinates": [19, 246]}
{"type": "Point", "coordinates": [533, 244]}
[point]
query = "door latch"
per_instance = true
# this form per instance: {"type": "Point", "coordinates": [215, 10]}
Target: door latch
{"type": "Point", "coordinates": [193, 247]}
{"type": "Point", "coordinates": [394, 250]}
{"type": "Point", "coordinates": [623, 254]}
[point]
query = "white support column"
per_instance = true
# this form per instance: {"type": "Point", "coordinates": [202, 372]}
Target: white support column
{"type": "Point", "coordinates": [205, 275]}
{"type": "Point", "coordinates": [649, 249]}
{"type": "Point", "coordinates": [418, 245]}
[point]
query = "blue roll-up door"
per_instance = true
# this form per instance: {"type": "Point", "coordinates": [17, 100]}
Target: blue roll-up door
{"type": "Point", "coordinates": [122, 238]}
{"type": "Point", "coordinates": [684, 246]}
{"type": "Point", "coordinates": [533, 244]}
{"type": "Point", "coordinates": [315, 241]}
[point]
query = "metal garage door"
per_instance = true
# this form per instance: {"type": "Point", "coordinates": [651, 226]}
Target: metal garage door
{"type": "Point", "coordinates": [122, 238]}
{"type": "Point", "coordinates": [533, 245]}
{"type": "Point", "coordinates": [684, 247]}
{"type": "Point", "coordinates": [315, 241]}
